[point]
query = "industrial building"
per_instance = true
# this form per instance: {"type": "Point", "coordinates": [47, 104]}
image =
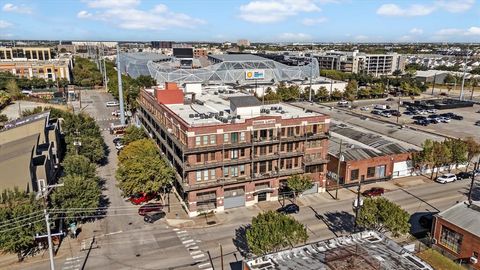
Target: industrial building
{"type": "Point", "coordinates": [232, 69]}
{"type": "Point", "coordinates": [228, 149]}
{"type": "Point", "coordinates": [366, 155]}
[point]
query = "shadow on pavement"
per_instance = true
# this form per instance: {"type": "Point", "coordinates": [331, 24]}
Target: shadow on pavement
{"type": "Point", "coordinates": [240, 240]}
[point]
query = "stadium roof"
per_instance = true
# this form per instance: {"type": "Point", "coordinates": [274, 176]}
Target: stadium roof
{"type": "Point", "coordinates": [238, 57]}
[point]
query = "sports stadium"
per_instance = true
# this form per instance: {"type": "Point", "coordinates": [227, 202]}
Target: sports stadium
{"type": "Point", "coordinates": [228, 69]}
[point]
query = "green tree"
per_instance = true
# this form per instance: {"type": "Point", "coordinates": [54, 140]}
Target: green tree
{"type": "Point", "coordinates": [86, 73]}
{"type": "Point", "coordinates": [141, 169]}
{"type": "Point", "coordinates": [442, 155]}
{"type": "Point", "coordinates": [77, 193]}
{"type": "Point", "coordinates": [299, 183]}
{"type": "Point", "coordinates": [12, 89]}
{"type": "Point", "coordinates": [5, 99]}
{"type": "Point", "coordinates": [3, 118]}
{"type": "Point", "coordinates": [270, 94]}
{"type": "Point", "coordinates": [377, 90]}
{"type": "Point", "coordinates": [424, 158]}
{"type": "Point", "coordinates": [271, 231]}
{"type": "Point", "coordinates": [473, 150]}
{"type": "Point", "coordinates": [458, 150]}
{"type": "Point", "coordinates": [288, 93]}
{"type": "Point", "coordinates": [145, 81]}
{"type": "Point", "coordinates": [351, 89]}
{"type": "Point", "coordinates": [336, 94]}
{"type": "Point", "coordinates": [364, 92]}
{"type": "Point", "coordinates": [133, 133]}
{"type": "Point", "coordinates": [78, 165]}
{"type": "Point", "coordinates": [449, 79]}
{"type": "Point", "coordinates": [383, 215]}
{"type": "Point", "coordinates": [322, 94]}
{"type": "Point", "coordinates": [25, 219]}
{"type": "Point", "coordinates": [33, 111]}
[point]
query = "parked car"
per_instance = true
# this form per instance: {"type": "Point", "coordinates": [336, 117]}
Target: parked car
{"type": "Point", "coordinates": [432, 110]}
{"type": "Point", "coordinates": [446, 178]}
{"type": "Point", "coordinates": [150, 207]}
{"type": "Point", "coordinates": [477, 123]}
{"type": "Point", "coordinates": [377, 112]}
{"type": "Point", "coordinates": [381, 107]}
{"type": "Point", "coordinates": [289, 209]}
{"type": "Point", "coordinates": [373, 192]}
{"type": "Point", "coordinates": [117, 140]}
{"type": "Point", "coordinates": [342, 103]}
{"type": "Point", "coordinates": [444, 119]}
{"type": "Point", "coordinates": [464, 175]}
{"type": "Point", "coordinates": [386, 114]}
{"type": "Point", "coordinates": [389, 99]}
{"type": "Point", "coordinates": [112, 104]}
{"type": "Point", "coordinates": [364, 108]}
{"type": "Point", "coordinates": [119, 146]}
{"type": "Point", "coordinates": [426, 221]}
{"type": "Point", "coordinates": [395, 113]}
{"type": "Point", "coordinates": [140, 198]}
{"type": "Point", "coordinates": [452, 116]}
{"type": "Point", "coordinates": [152, 217]}
{"type": "Point", "coordinates": [409, 113]}
{"type": "Point", "coordinates": [422, 122]}
{"type": "Point", "coordinates": [419, 117]}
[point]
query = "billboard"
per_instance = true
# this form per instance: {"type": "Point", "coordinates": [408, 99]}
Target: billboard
{"type": "Point", "coordinates": [183, 52]}
{"type": "Point", "coordinates": [255, 74]}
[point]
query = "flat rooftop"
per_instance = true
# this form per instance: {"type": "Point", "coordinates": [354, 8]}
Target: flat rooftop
{"type": "Point", "coordinates": [358, 143]}
{"type": "Point", "coordinates": [360, 251]}
{"type": "Point", "coordinates": [238, 57]}
{"type": "Point", "coordinates": [464, 216]}
{"type": "Point", "coordinates": [213, 107]}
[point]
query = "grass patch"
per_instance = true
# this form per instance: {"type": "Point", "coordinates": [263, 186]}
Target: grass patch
{"type": "Point", "coordinates": [438, 261]}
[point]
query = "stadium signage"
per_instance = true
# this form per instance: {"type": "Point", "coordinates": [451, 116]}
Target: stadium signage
{"type": "Point", "coordinates": [255, 74]}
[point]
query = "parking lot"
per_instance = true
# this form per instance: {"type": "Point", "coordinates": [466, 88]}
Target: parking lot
{"type": "Point", "coordinates": [450, 127]}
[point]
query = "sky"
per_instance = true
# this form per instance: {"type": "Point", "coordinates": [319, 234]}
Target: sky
{"type": "Point", "coordinates": [255, 20]}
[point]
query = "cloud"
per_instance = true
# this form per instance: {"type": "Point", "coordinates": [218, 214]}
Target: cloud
{"type": "Point", "coordinates": [9, 7]}
{"type": "Point", "coordinates": [313, 21]}
{"type": "Point", "coordinates": [472, 31]}
{"type": "Point", "coordinates": [294, 37]}
{"type": "Point", "coordinates": [84, 14]}
{"type": "Point", "coordinates": [452, 6]}
{"type": "Point", "coordinates": [456, 6]}
{"type": "Point", "coordinates": [158, 18]}
{"type": "Point", "coordinates": [4, 24]}
{"type": "Point", "coordinates": [269, 11]}
{"type": "Point", "coordinates": [405, 38]}
{"type": "Point", "coordinates": [111, 3]}
{"type": "Point", "coordinates": [416, 31]}
{"type": "Point", "coordinates": [412, 10]}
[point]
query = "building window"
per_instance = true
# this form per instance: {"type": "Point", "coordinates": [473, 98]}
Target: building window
{"type": "Point", "coordinates": [354, 175]}
{"type": "Point", "coordinates": [242, 152]}
{"type": "Point", "coordinates": [242, 169]}
{"type": "Point", "coordinates": [225, 154]}
{"type": "Point", "coordinates": [270, 149]}
{"type": "Point", "coordinates": [234, 171]}
{"type": "Point", "coordinates": [234, 137]}
{"type": "Point", "coordinates": [199, 157]}
{"type": "Point", "coordinates": [225, 172]}
{"type": "Point", "coordinates": [370, 172]}
{"type": "Point", "coordinates": [212, 174]}
{"type": "Point", "coordinates": [225, 137]}
{"type": "Point", "coordinates": [197, 141]}
{"type": "Point", "coordinates": [451, 239]}
{"type": "Point", "coordinates": [198, 175]}
{"type": "Point", "coordinates": [205, 140]}
{"type": "Point", "coordinates": [213, 139]}
{"type": "Point", "coordinates": [234, 154]}
{"type": "Point", "coordinates": [242, 136]}
{"type": "Point", "coordinates": [212, 155]}
{"type": "Point", "coordinates": [205, 175]}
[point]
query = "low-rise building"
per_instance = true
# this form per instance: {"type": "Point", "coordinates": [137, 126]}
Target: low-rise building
{"type": "Point", "coordinates": [31, 149]}
{"type": "Point", "coordinates": [230, 150]}
{"type": "Point", "coordinates": [456, 232]}
{"type": "Point", "coordinates": [364, 250]}
{"type": "Point", "coordinates": [24, 54]}
{"type": "Point", "coordinates": [366, 155]}
{"type": "Point", "coordinates": [49, 70]}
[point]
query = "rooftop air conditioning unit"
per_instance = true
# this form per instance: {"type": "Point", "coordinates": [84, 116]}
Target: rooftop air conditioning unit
{"type": "Point", "coordinates": [473, 260]}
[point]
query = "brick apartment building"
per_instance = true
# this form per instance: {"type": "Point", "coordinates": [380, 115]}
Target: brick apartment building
{"type": "Point", "coordinates": [456, 233]}
{"type": "Point", "coordinates": [366, 154]}
{"type": "Point", "coordinates": [228, 149]}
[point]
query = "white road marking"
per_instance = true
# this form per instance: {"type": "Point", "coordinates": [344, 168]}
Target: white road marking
{"type": "Point", "coordinates": [189, 245]}
{"type": "Point", "coordinates": [203, 265]}
{"type": "Point", "coordinates": [187, 241]}
{"type": "Point", "coordinates": [195, 252]}
{"type": "Point", "coordinates": [198, 256]}
{"type": "Point", "coordinates": [112, 233]}
{"type": "Point", "coordinates": [193, 248]}
{"type": "Point", "coordinates": [73, 258]}
{"type": "Point", "coordinates": [176, 229]}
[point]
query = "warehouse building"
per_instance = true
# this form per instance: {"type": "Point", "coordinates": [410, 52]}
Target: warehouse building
{"type": "Point", "coordinates": [229, 150]}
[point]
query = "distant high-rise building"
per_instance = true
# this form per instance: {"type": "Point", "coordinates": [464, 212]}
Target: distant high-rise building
{"type": "Point", "coordinates": [243, 42]}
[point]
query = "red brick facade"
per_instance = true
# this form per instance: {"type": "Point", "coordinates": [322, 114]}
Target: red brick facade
{"type": "Point", "coordinates": [221, 160]}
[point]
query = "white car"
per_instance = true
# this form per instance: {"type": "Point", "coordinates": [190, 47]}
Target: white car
{"type": "Point", "coordinates": [446, 178]}
{"type": "Point", "coordinates": [444, 119]}
{"type": "Point", "coordinates": [365, 108]}
{"type": "Point", "coordinates": [385, 114]}
{"type": "Point", "coordinates": [112, 104]}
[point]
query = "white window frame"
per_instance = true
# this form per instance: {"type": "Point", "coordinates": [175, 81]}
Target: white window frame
{"type": "Point", "coordinates": [198, 141]}
{"type": "Point", "coordinates": [198, 176]}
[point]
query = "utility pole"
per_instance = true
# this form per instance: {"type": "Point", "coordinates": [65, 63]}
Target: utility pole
{"type": "Point", "coordinates": [221, 256]}
{"type": "Point", "coordinates": [120, 90]}
{"type": "Point", "coordinates": [50, 244]}
{"type": "Point", "coordinates": [463, 76]}
{"type": "Point", "coordinates": [311, 75]}
{"type": "Point", "coordinates": [357, 208]}
{"type": "Point", "coordinates": [434, 79]}
{"type": "Point", "coordinates": [475, 168]}
{"type": "Point", "coordinates": [398, 108]}
{"type": "Point", "coordinates": [340, 157]}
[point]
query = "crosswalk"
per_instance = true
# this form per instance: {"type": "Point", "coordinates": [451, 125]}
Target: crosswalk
{"type": "Point", "coordinates": [73, 263]}
{"type": "Point", "coordinates": [200, 258]}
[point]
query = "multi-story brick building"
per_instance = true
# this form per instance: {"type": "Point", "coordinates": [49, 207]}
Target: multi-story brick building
{"type": "Point", "coordinates": [456, 232]}
{"type": "Point", "coordinates": [229, 150]}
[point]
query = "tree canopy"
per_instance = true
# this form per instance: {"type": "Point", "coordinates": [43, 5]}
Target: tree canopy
{"type": "Point", "coordinates": [78, 165]}
{"type": "Point", "coordinates": [133, 133]}
{"type": "Point", "coordinates": [271, 231]}
{"type": "Point", "coordinates": [299, 183]}
{"type": "Point", "coordinates": [141, 169]}
{"type": "Point", "coordinates": [383, 215]}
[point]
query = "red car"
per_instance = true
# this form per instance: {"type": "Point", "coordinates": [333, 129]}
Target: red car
{"type": "Point", "coordinates": [140, 198]}
{"type": "Point", "coordinates": [150, 207]}
{"type": "Point", "coordinates": [375, 191]}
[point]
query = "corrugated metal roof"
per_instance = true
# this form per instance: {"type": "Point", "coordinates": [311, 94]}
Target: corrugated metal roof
{"type": "Point", "coordinates": [464, 216]}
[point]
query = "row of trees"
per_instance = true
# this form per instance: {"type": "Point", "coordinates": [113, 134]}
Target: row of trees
{"type": "Point", "coordinates": [435, 154]}
{"type": "Point", "coordinates": [86, 73]}
{"type": "Point", "coordinates": [9, 81]}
